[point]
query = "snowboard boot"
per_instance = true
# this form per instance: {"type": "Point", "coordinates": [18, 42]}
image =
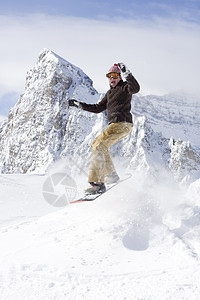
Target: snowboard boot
{"type": "Point", "coordinates": [112, 178]}
{"type": "Point", "coordinates": [95, 188]}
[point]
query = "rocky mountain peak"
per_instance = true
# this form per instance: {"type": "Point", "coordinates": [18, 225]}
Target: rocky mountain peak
{"type": "Point", "coordinates": [36, 127]}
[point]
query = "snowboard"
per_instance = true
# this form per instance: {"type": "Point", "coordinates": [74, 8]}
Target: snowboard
{"type": "Point", "coordinates": [93, 197]}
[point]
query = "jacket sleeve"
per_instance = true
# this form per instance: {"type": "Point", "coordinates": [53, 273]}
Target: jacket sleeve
{"type": "Point", "coordinates": [132, 86]}
{"type": "Point", "coordinates": [95, 108]}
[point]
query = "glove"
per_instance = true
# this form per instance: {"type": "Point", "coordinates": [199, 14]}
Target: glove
{"type": "Point", "coordinates": [73, 102]}
{"type": "Point", "coordinates": [124, 69]}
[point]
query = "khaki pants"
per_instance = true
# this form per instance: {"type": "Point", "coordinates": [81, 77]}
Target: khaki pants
{"type": "Point", "coordinates": [101, 164]}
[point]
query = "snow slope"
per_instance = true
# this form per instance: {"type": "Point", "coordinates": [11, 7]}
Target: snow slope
{"type": "Point", "coordinates": [138, 241]}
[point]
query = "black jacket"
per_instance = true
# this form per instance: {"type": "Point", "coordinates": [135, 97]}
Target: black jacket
{"type": "Point", "coordinates": [117, 101]}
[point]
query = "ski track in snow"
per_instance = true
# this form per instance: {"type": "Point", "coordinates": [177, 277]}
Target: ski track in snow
{"type": "Point", "coordinates": [124, 245]}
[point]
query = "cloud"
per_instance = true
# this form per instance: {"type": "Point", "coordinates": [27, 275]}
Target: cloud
{"type": "Point", "coordinates": [163, 54]}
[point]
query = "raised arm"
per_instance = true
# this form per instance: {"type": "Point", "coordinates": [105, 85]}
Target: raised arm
{"type": "Point", "coordinates": [132, 86]}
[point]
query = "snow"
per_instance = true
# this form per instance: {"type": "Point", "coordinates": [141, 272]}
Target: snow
{"type": "Point", "coordinates": [140, 240]}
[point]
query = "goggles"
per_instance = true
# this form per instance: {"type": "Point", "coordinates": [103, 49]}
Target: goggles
{"type": "Point", "coordinates": [113, 75]}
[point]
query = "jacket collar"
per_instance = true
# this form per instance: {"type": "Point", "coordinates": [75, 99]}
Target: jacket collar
{"type": "Point", "coordinates": [119, 84]}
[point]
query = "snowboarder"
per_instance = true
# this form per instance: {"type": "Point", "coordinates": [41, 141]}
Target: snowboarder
{"type": "Point", "coordinates": [117, 101]}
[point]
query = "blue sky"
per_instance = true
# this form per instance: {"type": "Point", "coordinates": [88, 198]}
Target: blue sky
{"type": "Point", "coordinates": [184, 9]}
{"type": "Point", "coordinates": [158, 40]}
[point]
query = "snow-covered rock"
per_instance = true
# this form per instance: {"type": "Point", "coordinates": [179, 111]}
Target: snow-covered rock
{"type": "Point", "coordinates": [184, 161]}
{"type": "Point", "coordinates": [175, 115]}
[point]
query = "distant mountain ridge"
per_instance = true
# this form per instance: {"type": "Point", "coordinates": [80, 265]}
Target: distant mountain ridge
{"type": "Point", "coordinates": [41, 128]}
{"type": "Point", "coordinates": [174, 114]}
